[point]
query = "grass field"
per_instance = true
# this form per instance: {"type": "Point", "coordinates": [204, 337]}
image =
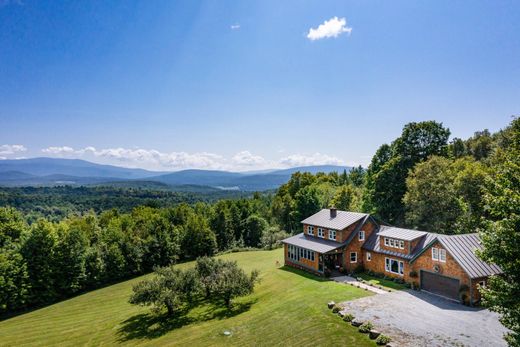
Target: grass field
{"type": "Point", "coordinates": [388, 284]}
{"type": "Point", "coordinates": [288, 308]}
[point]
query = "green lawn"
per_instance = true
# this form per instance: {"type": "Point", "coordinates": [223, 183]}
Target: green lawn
{"type": "Point", "coordinates": [287, 308]}
{"type": "Point", "coordinates": [387, 284]}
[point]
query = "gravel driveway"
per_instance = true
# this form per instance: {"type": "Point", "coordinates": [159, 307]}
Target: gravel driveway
{"type": "Point", "coordinates": [415, 318]}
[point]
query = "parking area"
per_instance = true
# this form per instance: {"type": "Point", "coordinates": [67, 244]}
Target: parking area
{"type": "Point", "coordinates": [414, 318]}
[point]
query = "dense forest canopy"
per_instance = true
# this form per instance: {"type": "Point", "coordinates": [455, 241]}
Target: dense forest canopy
{"type": "Point", "coordinates": [56, 242]}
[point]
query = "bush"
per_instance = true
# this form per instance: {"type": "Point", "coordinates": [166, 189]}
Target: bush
{"type": "Point", "coordinates": [383, 340]}
{"type": "Point", "coordinates": [336, 309]}
{"type": "Point", "coordinates": [348, 317]}
{"type": "Point", "coordinates": [413, 274]}
{"type": "Point", "coordinates": [366, 327]}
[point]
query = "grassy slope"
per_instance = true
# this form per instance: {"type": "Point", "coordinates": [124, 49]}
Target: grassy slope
{"type": "Point", "coordinates": [287, 308]}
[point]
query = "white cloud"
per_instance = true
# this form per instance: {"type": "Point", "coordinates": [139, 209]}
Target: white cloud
{"type": "Point", "coordinates": [245, 158]}
{"type": "Point", "coordinates": [235, 26]}
{"type": "Point", "coordinates": [308, 160]}
{"type": "Point", "coordinates": [11, 149]}
{"type": "Point", "coordinates": [157, 160]}
{"type": "Point", "coordinates": [330, 28]}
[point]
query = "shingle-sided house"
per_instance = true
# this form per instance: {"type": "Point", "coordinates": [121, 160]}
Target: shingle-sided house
{"type": "Point", "coordinates": [339, 240]}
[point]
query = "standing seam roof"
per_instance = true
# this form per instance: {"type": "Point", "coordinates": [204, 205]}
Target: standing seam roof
{"type": "Point", "coordinates": [342, 220]}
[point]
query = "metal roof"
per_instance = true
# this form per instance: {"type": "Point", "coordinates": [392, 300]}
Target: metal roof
{"type": "Point", "coordinates": [462, 248]}
{"type": "Point", "coordinates": [342, 220]}
{"type": "Point", "coordinates": [400, 233]}
{"type": "Point", "coordinates": [312, 243]}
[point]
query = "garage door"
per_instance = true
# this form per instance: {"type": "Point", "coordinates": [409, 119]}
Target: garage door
{"type": "Point", "coordinates": [440, 285]}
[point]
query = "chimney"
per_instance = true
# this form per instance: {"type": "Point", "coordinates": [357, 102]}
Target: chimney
{"type": "Point", "coordinates": [333, 212]}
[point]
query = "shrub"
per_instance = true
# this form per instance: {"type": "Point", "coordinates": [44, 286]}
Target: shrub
{"type": "Point", "coordinates": [336, 309]}
{"type": "Point", "coordinates": [413, 274]}
{"type": "Point", "coordinates": [383, 340]}
{"type": "Point", "coordinates": [348, 317]}
{"type": "Point", "coordinates": [366, 327]}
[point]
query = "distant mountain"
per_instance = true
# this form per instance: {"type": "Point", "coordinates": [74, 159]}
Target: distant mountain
{"type": "Point", "coordinates": [52, 172]}
{"type": "Point", "coordinates": [70, 167]}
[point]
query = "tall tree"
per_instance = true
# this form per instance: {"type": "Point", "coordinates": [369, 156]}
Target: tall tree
{"type": "Point", "coordinates": [255, 227]}
{"type": "Point", "coordinates": [343, 198]}
{"type": "Point", "coordinates": [501, 239]}
{"type": "Point", "coordinates": [386, 180]}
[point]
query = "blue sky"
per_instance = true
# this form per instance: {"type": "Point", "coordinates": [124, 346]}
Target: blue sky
{"type": "Point", "coordinates": [243, 85]}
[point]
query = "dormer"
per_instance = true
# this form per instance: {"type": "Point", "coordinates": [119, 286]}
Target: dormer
{"type": "Point", "coordinates": [399, 240]}
{"type": "Point", "coordinates": [331, 224]}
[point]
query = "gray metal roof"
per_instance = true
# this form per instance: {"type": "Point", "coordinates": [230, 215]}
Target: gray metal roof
{"type": "Point", "coordinates": [342, 220]}
{"type": "Point", "coordinates": [400, 233]}
{"type": "Point", "coordinates": [312, 243]}
{"type": "Point", "coordinates": [462, 248]}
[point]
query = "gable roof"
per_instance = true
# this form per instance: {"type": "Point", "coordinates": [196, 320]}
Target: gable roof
{"type": "Point", "coordinates": [400, 233]}
{"type": "Point", "coordinates": [462, 248]}
{"type": "Point", "coordinates": [313, 243]}
{"type": "Point", "coordinates": [342, 220]}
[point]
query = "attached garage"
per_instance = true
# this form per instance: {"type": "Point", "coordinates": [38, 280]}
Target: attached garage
{"type": "Point", "coordinates": [441, 285]}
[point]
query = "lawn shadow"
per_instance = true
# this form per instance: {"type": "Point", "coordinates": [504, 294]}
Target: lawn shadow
{"type": "Point", "coordinates": [304, 274]}
{"type": "Point", "coordinates": [151, 326]}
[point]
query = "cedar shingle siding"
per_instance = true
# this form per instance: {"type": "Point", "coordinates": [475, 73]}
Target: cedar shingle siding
{"type": "Point", "coordinates": [411, 247]}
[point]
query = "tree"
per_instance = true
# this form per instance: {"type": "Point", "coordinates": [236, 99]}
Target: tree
{"type": "Point", "coordinates": [343, 198]}
{"type": "Point", "coordinates": [39, 254]}
{"type": "Point", "coordinates": [272, 237]}
{"type": "Point", "coordinates": [307, 203]}
{"type": "Point", "coordinates": [222, 227]}
{"type": "Point", "coordinates": [207, 268]}
{"type": "Point", "coordinates": [12, 225]}
{"type": "Point", "coordinates": [255, 227]}
{"type": "Point", "coordinates": [386, 175]}
{"type": "Point", "coordinates": [480, 144]}
{"type": "Point", "coordinates": [431, 201]}
{"type": "Point", "coordinates": [500, 239]}
{"type": "Point", "coordinates": [198, 238]}
{"type": "Point", "coordinates": [170, 287]}
{"type": "Point", "coordinates": [231, 282]}
{"type": "Point", "coordinates": [356, 176]}
{"type": "Point", "coordinates": [14, 279]}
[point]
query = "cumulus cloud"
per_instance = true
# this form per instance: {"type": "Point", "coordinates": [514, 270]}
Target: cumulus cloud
{"type": "Point", "coordinates": [12, 149]}
{"type": "Point", "coordinates": [308, 160]}
{"type": "Point", "coordinates": [235, 26]}
{"type": "Point", "coordinates": [157, 160]}
{"type": "Point", "coordinates": [246, 158]}
{"type": "Point", "coordinates": [330, 28]}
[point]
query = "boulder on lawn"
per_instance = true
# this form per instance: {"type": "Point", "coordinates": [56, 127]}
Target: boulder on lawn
{"type": "Point", "coordinates": [342, 313]}
{"type": "Point", "coordinates": [331, 304]}
{"type": "Point", "coordinates": [373, 334]}
{"type": "Point", "coordinates": [356, 322]}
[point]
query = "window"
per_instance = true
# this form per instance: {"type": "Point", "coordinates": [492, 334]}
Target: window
{"type": "Point", "coordinates": [394, 266]}
{"type": "Point", "coordinates": [310, 230]}
{"type": "Point", "coordinates": [442, 255]}
{"type": "Point", "coordinates": [353, 257]}
{"type": "Point", "coordinates": [401, 244]}
{"type": "Point", "coordinates": [332, 234]}
{"type": "Point", "coordinates": [386, 242]}
{"type": "Point", "coordinates": [321, 233]}
{"type": "Point", "coordinates": [296, 253]}
{"type": "Point", "coordinates": [369, 256]}
{"type": "Point", "coordinates": [394, 243]}
{"type": "Point", "coordinates": [482, 284]}
{"type": "Point", "coordinates": [361, 235]}
{"type": "Point", "coordinates": [435, 253]}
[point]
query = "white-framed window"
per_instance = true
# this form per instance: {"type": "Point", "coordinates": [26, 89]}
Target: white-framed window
{"type": "Point", "coordinates": [442, 255]}
{"type": "Point", "coordinates": [386, 241]}
{"type": "Point", "coordinates": [401, 244]}
{"type": "Point", "coordinates": [361, 235]}
{"type": "Point", "coordinates": [310, 230]}
{"type": "Point", "coordinates": [394, 266]}
{"type": "Point", "coordinates": [353, 257]}
{"type": "Point", "coordinates": [369, 256]}
{"type": "Point", "coordinates": [435, 253]}
{"type": "Point", "coordinates": [297, 253]}
{"type": "Point", "coordinates": [332, 234]}
{"type": "Point", "coordinates": [482, 284]}
{"type": "Point", "coordinates": [321, 233]}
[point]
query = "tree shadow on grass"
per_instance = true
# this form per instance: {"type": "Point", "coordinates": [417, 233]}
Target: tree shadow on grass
{"type": "Point", "coordinates": [304, 274]}
{"type": "Point", "coordinates": [151, 326]}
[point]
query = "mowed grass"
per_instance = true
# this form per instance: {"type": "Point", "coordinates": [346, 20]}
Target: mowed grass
{"type": "Point", "coordinates": [385, 283]}
{"type": "Point", "coordinates": [288, 308]}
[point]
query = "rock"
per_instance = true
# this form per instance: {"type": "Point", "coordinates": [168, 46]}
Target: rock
{"type": "Point", "coordinates": [374, 334]}
{"type": "Point", "coordinates": [356, 323]}
{"type": "Point", "coordinates": [342, 313]}
{"type": "Point", "coordinates": [331, 304]}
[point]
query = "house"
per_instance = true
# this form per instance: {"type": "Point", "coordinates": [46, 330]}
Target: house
{"type": "Point", "coordinates": [445, 265]}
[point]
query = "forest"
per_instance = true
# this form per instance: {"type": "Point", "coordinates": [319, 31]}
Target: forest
{"type": "Point", "coordinates": [95, 237]}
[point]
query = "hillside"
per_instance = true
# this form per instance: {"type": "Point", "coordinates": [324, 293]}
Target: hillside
{"type": "Point", "coordinates": [56, 172]}
{"type": "Point", "coordinates": [287, 308]}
